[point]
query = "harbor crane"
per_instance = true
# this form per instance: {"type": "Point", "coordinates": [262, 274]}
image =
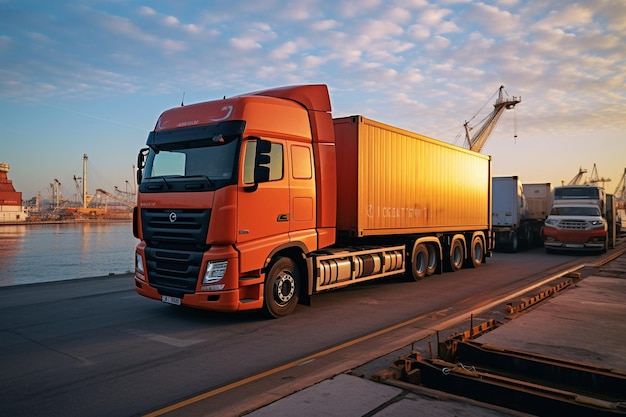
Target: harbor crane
{"type": "Point", "coordinates": [477, 141]}
{"type": "Point", "coordinates": [577, 178]}
{"type": "Point", "coordinates": [594, 178]}
{"type": "Point", "coordinates": [123, 201]}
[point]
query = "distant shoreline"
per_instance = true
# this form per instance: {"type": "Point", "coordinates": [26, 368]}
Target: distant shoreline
{"type": "Point", "coordinates": [66, 221]}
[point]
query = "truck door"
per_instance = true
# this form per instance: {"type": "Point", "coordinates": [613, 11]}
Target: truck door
{"type": "Point", "coordinates": [263, 215]}
{"type": "Point", "coordinates": [302, 221]}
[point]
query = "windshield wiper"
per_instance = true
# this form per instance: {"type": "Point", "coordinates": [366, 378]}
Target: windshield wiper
{"type": "Point", "coordinates": [206, 177]}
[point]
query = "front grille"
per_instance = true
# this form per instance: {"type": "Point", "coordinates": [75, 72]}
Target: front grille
{"type": "Point", "coordinates": [174, 249]}
{"type": "Point", "coordinates": [573, 224]}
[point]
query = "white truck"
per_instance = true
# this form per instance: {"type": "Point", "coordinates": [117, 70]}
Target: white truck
{"type": "Point", "coordinates": [518, 212]}
{"type": "Point", "coordinates": [575, 226]}
{"type": "Point", "coordinates": [582, 218]}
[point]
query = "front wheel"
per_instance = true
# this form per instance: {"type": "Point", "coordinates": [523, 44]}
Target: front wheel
{"type": "Point", "coordinates": [282, 287]}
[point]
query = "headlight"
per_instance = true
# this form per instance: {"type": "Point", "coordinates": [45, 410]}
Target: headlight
{"type": "Point", "coordinates": [139, 262]}
{"type": "Point", "coordinates": [597, 223]}
{"type": "Point", "coordinates": [551, 222]}
{"type": "Point", "coordinates": [214, 272]}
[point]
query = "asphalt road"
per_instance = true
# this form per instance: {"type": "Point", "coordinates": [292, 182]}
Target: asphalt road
{"type": "Point", "coordinates": [93, 347]}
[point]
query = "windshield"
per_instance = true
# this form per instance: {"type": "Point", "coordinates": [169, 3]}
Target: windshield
{"type": "Point", "coordinates": [576, 193]}
{"type": "Point", "coordinates": [214, 160]}
{"type": "Point", "coordinates": [575, 211]}
{"type": "Point", "coordinates": [193, 159]}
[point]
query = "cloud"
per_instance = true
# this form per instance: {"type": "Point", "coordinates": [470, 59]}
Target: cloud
{"type": "Point", "coordinates": [438, 43]}
{"type": "Point", "coordinates": [285, 50]}
{"type": "Point", "coordinates": [147, 11]}
{"type": "Point", "coordinates": [245, 43]}
{"type": "Point", "coordinates": [419, 31]}
{"type": "Point", "coordinates": [397, 15]}
{"type": "Point", "coordinates": [377, 29]}
{"type": "Point", "coordinates": [117, 26]}
{"type": "Point", "coordinates": [299, 10]}
{"type": "Point", "coordinates": [312, 61]}
{"type": "Point", "coordinates": [323, 25]}
{"type": "Point", "coordinates": [170, 21]}
{"type": "Point", "coordinates": [492, 20]}
{"type": "Point", "coordinates": [571, 16]}
{"type": "Point", "coordinates": [353, 8]}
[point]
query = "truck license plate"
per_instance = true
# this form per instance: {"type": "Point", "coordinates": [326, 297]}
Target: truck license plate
{"type": "Point", "coordinates": [170, 300]}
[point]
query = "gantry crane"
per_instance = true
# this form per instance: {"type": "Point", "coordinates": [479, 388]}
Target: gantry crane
{"type": "Point", "coordinates": [123, 201]}
{"type": "Point", "coordinates": [577, 178]}
{"type": "Point", "coordinates": [478, 140]}
{"type": "Point", "coordinates": [594, 178]}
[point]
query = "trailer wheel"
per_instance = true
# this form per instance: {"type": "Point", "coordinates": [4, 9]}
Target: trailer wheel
{"type": "Point", "coordinates": [456, 256]}
{"type": "Point", "coordinates": [419, 261]}
{"type": "Point", "coordinates": [282, 287]}
{"type": "Point", "coordinates": [477, 252]}
{"type": "Point", "coordinates": [513, 242]}
{"type": "Point", "coordinates": [433, 259]}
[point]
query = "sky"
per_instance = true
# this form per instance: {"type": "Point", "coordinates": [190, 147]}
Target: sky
{"type": "Point", "coordinates": [91, 77]}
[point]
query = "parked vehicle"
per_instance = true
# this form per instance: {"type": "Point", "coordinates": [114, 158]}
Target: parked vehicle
{"type": "Point", "coordinates": [581, 193]}
{"type": "Point", "coordinates": [261, 200]}
{"type": "Point", "coordinates": [514, 224]}
{"type": "Point", "coordinates": [575, 227]}
{"type": "Point", "coordinates": [583, 217]}
{"type": "Point", "coordinates": [538, 199]}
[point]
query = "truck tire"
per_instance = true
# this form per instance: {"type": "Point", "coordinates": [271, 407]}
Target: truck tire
{"type": "Point", "coordinates": [513, 242]}
{"type": "Point", "coordinates": [419, 261]}
{"type": "Point", "coordinates": [433, 259]}
{"type": "Point", "coordinates": [477, 252]}
{"type": "Point", "coordinates": [282, 287]}
{"type": "Point", "coordinates": [456, 255]}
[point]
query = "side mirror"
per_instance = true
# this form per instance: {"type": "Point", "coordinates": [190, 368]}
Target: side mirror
{"type": "Point", "coordinates": [141, 163]}
{"type": "Point", "coordinates": [262, 161]}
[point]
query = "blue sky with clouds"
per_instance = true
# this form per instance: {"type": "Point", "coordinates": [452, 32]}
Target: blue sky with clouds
{"type": "Point", "coordinates": [91, 77]}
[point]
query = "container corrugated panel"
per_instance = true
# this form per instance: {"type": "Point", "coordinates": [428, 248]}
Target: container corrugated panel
{"type": "Point", "coordinates": [539, 199]}
{"type": "Point", "coordinates": [392, 181]}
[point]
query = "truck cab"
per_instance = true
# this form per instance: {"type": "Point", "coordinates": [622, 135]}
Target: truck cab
{"type": "Point", "coordinates": [225, 185]}
{"type": "Point", "coordinates": [576, 227]}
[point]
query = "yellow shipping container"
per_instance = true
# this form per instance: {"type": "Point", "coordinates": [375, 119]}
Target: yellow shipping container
{"type": "Point", "coordinates": [392, 181]}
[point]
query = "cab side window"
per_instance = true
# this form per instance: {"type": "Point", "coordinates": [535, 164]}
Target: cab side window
{"type": "Point", "coordinates": [301, 162]}
{"type": "Point", "coordinates": [276, 164]}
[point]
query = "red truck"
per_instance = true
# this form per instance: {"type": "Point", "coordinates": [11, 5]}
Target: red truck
{"type": "Point", "coordinates": [261, 200]}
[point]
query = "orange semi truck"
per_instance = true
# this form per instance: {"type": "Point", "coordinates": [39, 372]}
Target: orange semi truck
{"type": "Point", "coordinates": [261, 200]}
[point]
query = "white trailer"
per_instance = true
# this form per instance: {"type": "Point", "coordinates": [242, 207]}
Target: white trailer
{"type": "Point", "coordinates": [514, 222]}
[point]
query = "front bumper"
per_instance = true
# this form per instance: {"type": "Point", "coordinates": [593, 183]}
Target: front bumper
{"type": "Point", "coordinates": [591, 240]}
{"type": "Point", "coordinates": [236, 293]}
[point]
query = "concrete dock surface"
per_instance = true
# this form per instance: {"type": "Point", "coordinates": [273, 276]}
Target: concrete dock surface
{"type": "Point", "coordinates": [584, 323]}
